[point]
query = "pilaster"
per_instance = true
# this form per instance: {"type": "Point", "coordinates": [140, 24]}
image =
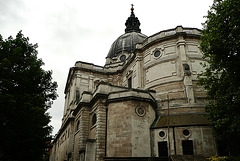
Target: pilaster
{"type": "Point", "coordinates": [84, 126]}
{"type": "Point", "coordinates": [100, 132]}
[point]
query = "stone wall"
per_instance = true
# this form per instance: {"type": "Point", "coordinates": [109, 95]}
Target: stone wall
{"type": "Point", "coordinates": [63, 146]}
{"type": "Point", "coordinates": [203, 140]}
{"type": "Point", "coordinates": [124, 114]}
{"type": "Point", "coordinates": [128, 129]}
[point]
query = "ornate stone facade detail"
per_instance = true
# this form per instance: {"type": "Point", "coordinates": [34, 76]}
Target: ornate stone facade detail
{"type": "Point", "coordinates": [142, 104]}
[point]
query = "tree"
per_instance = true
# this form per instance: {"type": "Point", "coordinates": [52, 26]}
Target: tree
{"type": "Point", "coordinates": [26, 93]}
{"type": "Point", "coordinates": [221, 46]}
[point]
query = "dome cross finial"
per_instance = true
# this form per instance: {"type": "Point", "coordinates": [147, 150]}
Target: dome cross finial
{"type": "Point", "coordinates": [132, 7]}
{"type": "Point", "coordinates": [132, 23]}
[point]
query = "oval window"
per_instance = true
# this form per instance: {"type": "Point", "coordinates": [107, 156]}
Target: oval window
{"type": "Point", "coordinates": [186, 132]}
{"type": "Point", "coordinates": [140, 111]}
{"type": "Point", "coordinates": [157, 53]}
{"type": "Point", "coordinates": [161, 133]}
{"type": "Point", "coordinates": [122, 58]}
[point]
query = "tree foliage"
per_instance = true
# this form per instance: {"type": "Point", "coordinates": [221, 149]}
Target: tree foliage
{"type": "Point", "coordinates": [221, 46]}
{"type": "Point", "coordinates": [26, 93]}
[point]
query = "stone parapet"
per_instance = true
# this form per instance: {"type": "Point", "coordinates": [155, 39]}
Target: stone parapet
{"type": "Point", "coordinates": [166, 34]}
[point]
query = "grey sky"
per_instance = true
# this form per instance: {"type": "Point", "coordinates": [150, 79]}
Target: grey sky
{"type": "Point", "coordinates": [75, 30]}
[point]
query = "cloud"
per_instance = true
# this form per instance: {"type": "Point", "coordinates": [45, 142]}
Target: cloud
{"type": "Point", "coordinates": [75, 30]}
{"type": "Point", "coordinates": [12, 15]}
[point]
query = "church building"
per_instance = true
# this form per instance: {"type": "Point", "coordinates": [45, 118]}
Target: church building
{"type": "Point", "coordinates": [144, 102]}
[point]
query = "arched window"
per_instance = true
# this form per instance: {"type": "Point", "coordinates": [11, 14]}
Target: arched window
{"type": "Point", "coordinates": [130, 82]}
{"type": "Point", "coordinates": [94, 119]}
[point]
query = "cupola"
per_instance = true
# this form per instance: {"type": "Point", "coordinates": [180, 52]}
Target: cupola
{"type": "Point", "coordinates": [126, 43]}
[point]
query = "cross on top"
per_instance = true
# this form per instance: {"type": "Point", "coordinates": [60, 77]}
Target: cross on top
{"type": "Point", "coordinates": [132, 7]}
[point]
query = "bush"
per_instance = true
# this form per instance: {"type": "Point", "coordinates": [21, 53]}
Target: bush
{"type": "Point", "coordinates": [217, 158]}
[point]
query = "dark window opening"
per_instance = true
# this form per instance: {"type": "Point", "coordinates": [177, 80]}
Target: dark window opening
{"type": "Point", "coordinates": [69, 156]}
{"type": "Point", "coordinates": [186, 132]}
{"type": "Point", "coordinates": [77, 95]}
{"type": "Point", "coordinates": [186, 69]}
{"type": "Point", "coordinates": [130, 82]}
{"type": "Point", "coordinates": [122, 58]}
{"type": "Point", "coordinates": [187, 146]}
{"type": "Point", "coordinates": [157, 53]}
{"type": "Point", "coordinates": [162, 149]}
{"type": "Point", "coordinates": [78, 125]}
{"type": "Point", "coordinates": [94, 119]}
{"type": "Point", "coordinates": [161, 133]}
{"type": "Point", "coordinates": [82, 156]}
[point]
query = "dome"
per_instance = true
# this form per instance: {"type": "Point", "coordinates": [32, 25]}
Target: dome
{"type": "Point", "coordinates": [126, 42]}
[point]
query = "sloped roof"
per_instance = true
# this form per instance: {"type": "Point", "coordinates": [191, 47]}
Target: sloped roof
{"type": "Point", "coordinates": [189, 119]}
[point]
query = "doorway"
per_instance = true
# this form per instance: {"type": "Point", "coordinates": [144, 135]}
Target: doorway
{"type": "Point", "coordinates": [187, 146]}
{"type": "Point", "coordinates": [162, 149]}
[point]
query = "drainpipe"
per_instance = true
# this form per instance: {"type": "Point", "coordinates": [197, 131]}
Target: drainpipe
{"type": "Point", "coordinates": [174, 141]}
{"type": "Point", "coordinates": [106, 133]}
{"type": "Point", "coordinates": [169, 149]}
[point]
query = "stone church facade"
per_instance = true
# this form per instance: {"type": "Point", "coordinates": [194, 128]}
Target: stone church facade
{"type": "Point", "coordinates": [144, 102]}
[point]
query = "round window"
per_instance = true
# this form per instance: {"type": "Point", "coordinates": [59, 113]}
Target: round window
{"type": "Point", "coordinates": [161, 133]}
{"type": "Point", "coordinates": [186, 132]}
{"type": "Point", "coordinates": [122, 58]}
{"type": "Point", "coordinates": [140, 111]}
{"type": "Point", "coordinates": [157, 53]}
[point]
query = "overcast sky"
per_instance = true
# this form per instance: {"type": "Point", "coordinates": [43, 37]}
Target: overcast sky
{"type": "Point", "coordinates": [83, 30]}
